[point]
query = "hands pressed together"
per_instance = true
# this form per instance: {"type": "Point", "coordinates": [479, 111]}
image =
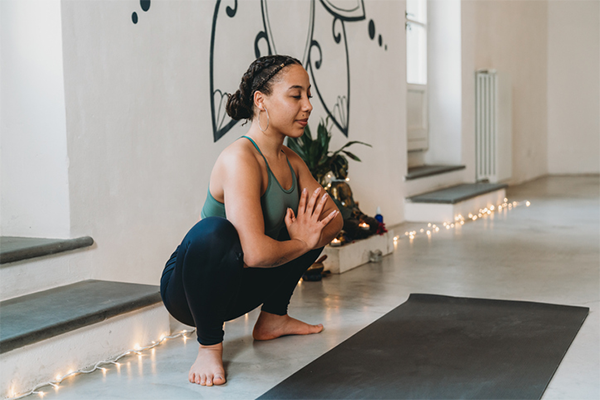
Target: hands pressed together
{"type": "Point", "coordinates": [306, 226]}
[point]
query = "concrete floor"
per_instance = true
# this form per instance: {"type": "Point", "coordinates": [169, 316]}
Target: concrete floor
{"type": "Point", "coordinates": [548, 252]}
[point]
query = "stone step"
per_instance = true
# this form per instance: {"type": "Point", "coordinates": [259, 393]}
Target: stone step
{"type": "Point", "coordinates": [446, 204]}
{"type": "Point", "coordinates": [38, 316]}
{"type": "Point", "coordinates": [430, 170]}
{"type": "Point", "coordinates": [13, 248]}
{"type": "Point", "coordinates": [70, 327]}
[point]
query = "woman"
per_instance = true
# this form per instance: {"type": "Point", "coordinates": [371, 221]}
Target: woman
{"type": "Point", "coordinates": [264, 222]}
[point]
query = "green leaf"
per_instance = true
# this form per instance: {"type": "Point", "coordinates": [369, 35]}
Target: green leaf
{"type": "Point", "coordinates": [352, 156]}
{"type": "Point", "coordinates": [354, 142]}
{"type": "Point", "coordinates": [308, 137]}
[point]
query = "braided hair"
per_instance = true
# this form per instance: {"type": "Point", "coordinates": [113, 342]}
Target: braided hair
{"type": "Point", "coordinates": [259, 76]}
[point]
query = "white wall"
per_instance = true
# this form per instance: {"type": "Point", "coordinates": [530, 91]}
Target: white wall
{"type": "Point", "coordinates": [511, 36]}
{"type": "Point", "coordinates": [444, 84]}
{"type": "Point", "coordinates": [468, 33]}
{"type": "Point", "coordinates": [140, 134]}
{"type": "Point", "coordinates": [34, 163]}
{"type": "Point", "coordinates": [573, 87]}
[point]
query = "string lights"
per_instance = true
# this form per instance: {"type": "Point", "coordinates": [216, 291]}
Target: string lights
{"type": "Point", "coordinates": [137, 349]}
{"type": "Point", "coordinates": [459, 220]}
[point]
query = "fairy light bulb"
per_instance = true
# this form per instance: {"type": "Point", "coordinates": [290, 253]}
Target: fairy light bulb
{"type": "Point", "coordinates": [429, 225]}
{"type": "Point", "coordinates": [428, 233]}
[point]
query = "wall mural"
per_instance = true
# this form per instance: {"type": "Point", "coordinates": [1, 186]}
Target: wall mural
{"type": "Point", "coordinates": [269, 33]}
{"type": "Point", "coordinates": [320, 38]}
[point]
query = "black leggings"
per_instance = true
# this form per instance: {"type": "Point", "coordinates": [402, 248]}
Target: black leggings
{"type": "Point", "coordinates": [209, 284]}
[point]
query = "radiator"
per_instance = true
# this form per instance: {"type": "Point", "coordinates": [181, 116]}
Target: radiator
{"type": "Point", "coordinates": [493, 126]}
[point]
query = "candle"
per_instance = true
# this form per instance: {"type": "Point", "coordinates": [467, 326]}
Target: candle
{"type": "Point", "coordinates": [364, 226]}
{"type": "Point", "coordinates": [335, 243]}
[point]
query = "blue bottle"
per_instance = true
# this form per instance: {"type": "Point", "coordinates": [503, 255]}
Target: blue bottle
{"type": "Point", "coordinates": [378, 215]}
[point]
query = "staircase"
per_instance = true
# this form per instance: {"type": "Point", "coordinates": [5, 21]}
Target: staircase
{"type": "Point", "coordinates": [53, 319]}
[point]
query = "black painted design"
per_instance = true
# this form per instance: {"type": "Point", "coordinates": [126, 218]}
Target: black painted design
{"type": "Point", "coordinates": [346, 10]}
{"type": "Point", "coordinates": [218, 98]}
{"type": "Point", "coordinates": [340, 110]}
{"type": "Point", "coordinates": [341, 11]}
{"type": "Point", "coordinates": [145, 4]}
{"type": "Point", "coordinates": [231, 11]}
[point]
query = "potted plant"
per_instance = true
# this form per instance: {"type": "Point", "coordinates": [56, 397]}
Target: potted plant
{"type": "Point", "coordinates": [316, 154]}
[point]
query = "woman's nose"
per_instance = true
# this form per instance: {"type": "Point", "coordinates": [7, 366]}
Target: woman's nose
{"type": "Point", "coordinates": [307, 106]}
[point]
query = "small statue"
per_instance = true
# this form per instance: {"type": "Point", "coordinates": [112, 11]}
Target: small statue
{"type": "Point", "coordinates": [357, 225]}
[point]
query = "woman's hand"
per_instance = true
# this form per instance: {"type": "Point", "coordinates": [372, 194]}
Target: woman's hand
{"type": "Point", "coordinates": [306, 226]}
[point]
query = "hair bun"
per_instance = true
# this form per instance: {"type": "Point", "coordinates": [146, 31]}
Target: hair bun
{"type": "Point", "coordinates": [236, 107]}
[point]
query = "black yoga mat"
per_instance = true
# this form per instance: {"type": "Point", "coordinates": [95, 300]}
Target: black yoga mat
{"type": "Point", "coordinates": [440, 347]}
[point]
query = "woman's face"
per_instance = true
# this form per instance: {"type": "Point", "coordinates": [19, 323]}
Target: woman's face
{"type": "Point", "coordinates": [289, 103]}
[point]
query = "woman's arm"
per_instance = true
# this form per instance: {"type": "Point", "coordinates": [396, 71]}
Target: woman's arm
{"type": "Point", "coordinates": [308, 182]}
{"type": "Point", "coordinates": [241, 178]}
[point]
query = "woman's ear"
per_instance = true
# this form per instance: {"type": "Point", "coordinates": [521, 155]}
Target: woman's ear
{"type": "Point", "coordinates": [259, 99]}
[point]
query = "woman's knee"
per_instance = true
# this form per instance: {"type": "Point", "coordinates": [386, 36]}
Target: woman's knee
{"type": "Point", "coordinates": [210, 240]}
{"type": "Point", "coordinates": [215, 229]}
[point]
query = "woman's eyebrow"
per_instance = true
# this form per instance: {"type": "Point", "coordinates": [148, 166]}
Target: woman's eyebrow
{"type": "Point", "coordinates": [298, 87]}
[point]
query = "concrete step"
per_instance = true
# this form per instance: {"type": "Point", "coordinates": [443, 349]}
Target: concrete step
{"type": "Point", "coordinates": [427, 183]}
{"type": "Point", "coordinates": [446, 204]}
{"type": "Point", "coordinates": [30, 265]}
{"type": "Point", "coordinates": [70, 327]}
{"type": "Point", "coordinates": [13, 248]}
{"type": "Point", "coordinates": [431, 170]}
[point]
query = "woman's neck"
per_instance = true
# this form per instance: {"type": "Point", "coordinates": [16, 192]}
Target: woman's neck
{"type": "Point", "coordinates": [270, 143]}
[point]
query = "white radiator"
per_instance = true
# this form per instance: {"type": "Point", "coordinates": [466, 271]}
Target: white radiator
{"type": "Point", "coordinates": [493, 126]}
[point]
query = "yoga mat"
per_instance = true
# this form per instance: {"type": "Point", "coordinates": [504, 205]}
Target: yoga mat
{"type": "Point", "coordinates": [440, 347]}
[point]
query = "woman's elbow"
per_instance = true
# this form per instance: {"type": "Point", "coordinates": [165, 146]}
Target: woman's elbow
{"type": "Point", "coordinates": [251, 259]}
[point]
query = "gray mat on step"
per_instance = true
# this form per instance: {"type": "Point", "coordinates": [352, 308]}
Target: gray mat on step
{"type": "Point", "coordinates": [458, 193]}
{"type": "Point", "coordinates": [439, 347]}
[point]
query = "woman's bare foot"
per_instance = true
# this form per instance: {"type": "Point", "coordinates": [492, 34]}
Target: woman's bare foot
{"type": "Point", "coordinates": [271, 326]}
{"type": "Point", "coordinates": [208, 367]}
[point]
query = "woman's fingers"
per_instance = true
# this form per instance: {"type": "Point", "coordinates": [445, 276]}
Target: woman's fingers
{"type": "Point", "coordinates": [302, 203]}
{"type": "Point", "coordinates": [329, 217]}
{"type": "Point", "coordinates": [319, 208]}
{"type": "Point", "coordinates": [311, 202]}
{"type": "Point", "coordinates": [289, 217]}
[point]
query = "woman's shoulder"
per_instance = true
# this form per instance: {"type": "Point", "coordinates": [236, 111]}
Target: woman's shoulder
{"type": "Point", "coordinates": [237, 155]}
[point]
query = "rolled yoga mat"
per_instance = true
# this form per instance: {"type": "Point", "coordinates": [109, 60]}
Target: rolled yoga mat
{"type": "Point", "coordinates": [440, 347]}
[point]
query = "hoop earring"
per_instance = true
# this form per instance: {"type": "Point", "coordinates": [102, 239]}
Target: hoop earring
{"type": "Point", "coordinates": [260, 127]}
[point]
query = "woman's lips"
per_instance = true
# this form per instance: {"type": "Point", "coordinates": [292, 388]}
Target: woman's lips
{"type": "Point", "coordinates": [302, 122]}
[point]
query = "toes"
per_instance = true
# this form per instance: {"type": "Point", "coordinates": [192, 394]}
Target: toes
{"type": "Point", "coordinates": [203, 380]}
{"type": "Point", "coordinates": [219, 380]}
{"type": "Point", "coordinates": [209, 381]}
{"type": "Point", "coordinates": [191, 377]}
{"type": "Point", "coordinates": [198, 379]}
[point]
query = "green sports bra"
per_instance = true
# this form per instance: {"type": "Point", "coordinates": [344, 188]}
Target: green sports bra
{"type": "Point", "coordinates": [274, 202]}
